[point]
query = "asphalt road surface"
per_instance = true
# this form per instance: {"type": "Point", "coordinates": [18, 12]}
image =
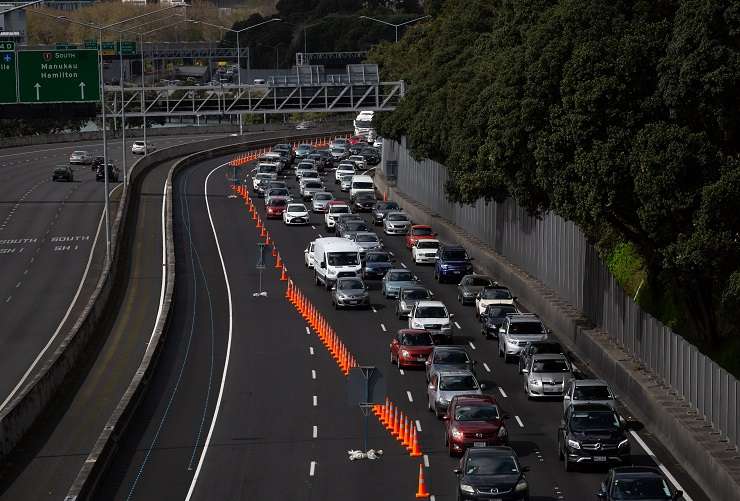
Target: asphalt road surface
{"type": "Point", "coordinates": [247, 404]}
{"type": "Point", "coordinates": [47, 234]}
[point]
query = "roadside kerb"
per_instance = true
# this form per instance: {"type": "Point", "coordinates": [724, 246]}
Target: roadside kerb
{"type": "Point", "coordinates": [107, 443]}
{"type": "Point", "coordinates": [711, 462]}
{"type": "Point", "coordinates": [30, 402]}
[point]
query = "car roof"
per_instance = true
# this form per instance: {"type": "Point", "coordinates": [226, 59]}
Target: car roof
{"type": "Point", "coordinates": [398, 212]}
{"type": "Point", "coordinates": [426, 240]}
{"type": "Point", "coordinates": [449, 347]}
{"type": "Point", "coordinates": [590, 382]}
{"type": "Point", "coordinates": [366, 233]}
{"type": "Point", "coordinates": [637, 471]}
{"type": "Point", "coordinates": [430, 303]}
{"type": "Point", "coordinates": [456, 372]}
{"type": "Point", "coordinates": [498, 450]}
{"type": "Point", "coordinates": [522, 317]}
{"type": "Point", "coordinates": [585, 407]}
{"type": "Point", "coordinates": [454, 246]}
{"type": "Point", "coordinates": [475, 399]}
{"type": "Point", "coordinates": [549, 356]}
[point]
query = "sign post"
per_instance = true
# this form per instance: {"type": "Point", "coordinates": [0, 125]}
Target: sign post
{"type": "Point", "coordinates": [260, 267]}
{"type": "Point", "coordinates": [365, 387]}
{"type": "Point", "coordinates": [68, 76]}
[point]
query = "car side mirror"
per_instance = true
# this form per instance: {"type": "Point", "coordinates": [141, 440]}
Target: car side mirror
{"type": "Point", "coordinates": [452, 315]}
{"type": "Point", "coordinates": [428, 362]}
{"type": "Point", "coordinates": [334, 287]}
{"type": "Point", "coordinates": [431, 386]}
{"type": "Point", "coordinates": [483, 386]}
{"type": "Point", "coordinates": [323, 264]}
{"type": "Point", "coordinates": [457, 471]}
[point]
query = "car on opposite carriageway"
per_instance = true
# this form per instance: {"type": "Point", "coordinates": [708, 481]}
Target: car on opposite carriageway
{"type": "Point", "coordinates": [63, 173]}
{"type": "Point", "coordinates": [80, 157]}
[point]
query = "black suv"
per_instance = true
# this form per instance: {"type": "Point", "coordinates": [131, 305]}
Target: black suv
{"type": "Point", "coordinates": [493, 317]}
{"type": "Point", "coordinates": [491, 473]}
{"type": "Point", "coordinates": [97, 162]}
{"type": "Point", "coordinates": [113, 173]}
{"type": "Point", "coordinates": [592, 434]}
{"type": "Point", "coordinates": [636, 482]}
{"type": "Point", "coordinates": [538, 348]}
{"type": "Point", "coordinates": [63, 173]}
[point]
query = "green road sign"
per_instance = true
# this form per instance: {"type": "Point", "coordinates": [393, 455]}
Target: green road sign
{"type": "Point", "coordinates": [46, 76]}
{"type": "Point", "coordinates": [6, 45]}
{"type": "Point", "coordinates": [91, 44]}
{"type": "Point", "coordinates": [126, 48]}
{"type": "Point", "coordinates": [7, 77]}
{"type": "Point", "coordinates": [109, 48]}
{"type": "Point", "coordinates": [65, 46]}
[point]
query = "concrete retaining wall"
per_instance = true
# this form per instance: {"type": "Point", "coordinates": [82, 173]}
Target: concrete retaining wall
{"type": "Point", "coordinates": [713, 464]}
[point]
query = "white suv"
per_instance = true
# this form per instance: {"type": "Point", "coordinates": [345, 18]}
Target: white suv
{"type": "Point", "coordinates": [332, 211]}
{"type": "Point", "coordinates": [434, 317]}
{"type": "Point", "coordinates": [141, 148]}
{"type": "Point", "coordinates": [518, 330]}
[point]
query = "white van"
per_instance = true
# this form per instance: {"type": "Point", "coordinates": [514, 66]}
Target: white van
{"type": "Point", "coordinates": [334, 258]}
{"type": "Point", "coordinates": [268, 168]}
{"type": "Point", "coordinates": [361, 184]}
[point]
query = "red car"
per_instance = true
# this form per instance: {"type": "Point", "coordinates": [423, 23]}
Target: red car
{"type": "Point", "coordinates": [357, 139]}
{"type": "Point", "coordinates": [411, 348]}
{"type": "Point", "coordinates": [276, 208]}
{"type": "Point", "coordinates": [474, 421]}
{"type": "Point", "coordinates": [419, 232]}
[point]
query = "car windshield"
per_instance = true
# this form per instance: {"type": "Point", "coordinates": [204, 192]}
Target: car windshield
{"type": "Point", "coordinates": [431, 312]}
{"type": "Point", "coordinates": [278, 202]}
{"type": "Point", "coordinates": [342, 258]}
{"type": "Point", "coordinates": [60, 169]}
{"type": "Point", "coordinates": [494, 465]}
{"type": "Point", "coordinates": [313, 185]}
{"type": "Point", "coordinates": [499, 311]}
{"type": "Point", "coordinates": [418, 339]}
{"type": "Point", "coordinates": [416, 294]}
{"type": "Point", "coordinates": [422, 231]}
{"type": "Point", "coordinates": [362, 185]}
{"type": "Point", "coordinates": [350, 284]}
{"type": "Point", "coordinates": [263, 177]}
{"type": "Point", "coordinates": [427, 245]}
{"type": "Point", "coordinates": [388, 206]}
{"type": "Point", "coordinates": [356, 226]}
{"type": "Point", "coordinates": [479, 282]}
{"type": "Point", "coordinates": [458, 383]}
{"type": "Point", "coordinates": [476, 412]}
{"type": "Point", "coordinates": [79, 153]}
{"type": "Point", "coordinates": [310, 175]}
{"type": "Point", "coordinates": [594, 420]}
{"type": "Point", "coordinates": [367, 238]}
{"type": "Point", "coordinates": [322, 196]}
{"type": "Point", "coordinates": [455, 255]}
{"type": "Point", "coordinates": [495, 293]}
{"type": "Point", "coordinates": [378, 258]}
{"type": "Point", "coordinates": [400, 276]}
{"type": "Point", "coordinates": [346, 167]}
{"type": "Point", "coordinates": [451, 357]}
{"type": "Point", "coordinates": [278, 192]}
{"type": "Point", "coordinates": [397, 217]}
{"type": "Point", "coordinates": [591, 393]}
{"type": "Point", "coordinates": [640, 488]}
{"type": "Point", "coordinates": [526, 328]}
{"type": "Point", "coordinates": [550, 366]}
{"type": "Point", "coordinates": [337, 150]}
{"type": "Point", "coordinates": [340, 209]}
{"type": "Point", "coordinates": [296, 208]}
{"type": "Point", "coordinates": [304, 147]}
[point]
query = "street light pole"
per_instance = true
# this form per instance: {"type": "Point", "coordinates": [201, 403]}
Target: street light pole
{"type": "Point", "coordinates": [396, 26]}
{"type": "Point", "coordinates": [123, 113]}
{"type": "Point", "coordinates": [239, 80]}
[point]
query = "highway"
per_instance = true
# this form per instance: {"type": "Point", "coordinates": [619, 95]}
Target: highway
{"type": "Point", "coordinates": [48, 231]}
{"type": "Point", "coordinates": [246, 403]}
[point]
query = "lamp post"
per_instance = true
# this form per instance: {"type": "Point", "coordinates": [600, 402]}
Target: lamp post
{"type": "Point", "coordinates": [396, 26]}
{"type": "Point", "coordinates": [276, 49]}
{"type": "Point", "coordinates": [100, 30]}
{"type": "Point", "coordinates": [238, 51]}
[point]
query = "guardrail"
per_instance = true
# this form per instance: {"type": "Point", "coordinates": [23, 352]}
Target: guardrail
{"type": "Point", "coordinates": [31, 401]}
{"type": "Point", "coordinates": [106, 444]}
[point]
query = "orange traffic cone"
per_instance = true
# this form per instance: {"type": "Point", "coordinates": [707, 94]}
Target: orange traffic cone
{"type": "Point", "coordinates": [397, 425]}
{"type": "Point", "coordinates": [388, 423]}
{"type": "Point", "coordinates": [407, 434]}
{"type": "Point", "coordinates": [274, 252]}
{"type": "Point", "coordinates": [283, 275]}
{"type": "Point", "coordinates": [415, 450]}
{"type": "Point", "coordinates": [263, 232]}
{"type": "Point", "coordinates": [421, 492]}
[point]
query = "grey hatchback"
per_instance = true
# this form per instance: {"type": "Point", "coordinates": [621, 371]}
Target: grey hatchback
{"type": "Point", "coordinates": [447, 358]}
{"type": "Point", "coordinates": [350, 291]}
{"type": "Point", "coordinates": [397, 279]}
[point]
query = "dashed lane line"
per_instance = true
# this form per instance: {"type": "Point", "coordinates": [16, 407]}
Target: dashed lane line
{"type": "Point", "coordinates": [312, 469]}
{"type": "Point", "coordinates": [382, 326]}
{"type": "Point", "coordinates": [519, 421]}
{"type": "Point", "coordinates": [485, 366]}
{"type": "Point", "coordinates": [310, 350]}
{"type": "Point", "coordinates": [418, 426]}
{"type": "Point", "coordinates": [315, 401]}
{"type": "Point", "coordinates": [426, 461]}
{"type": "Point", "coordinates": [458, 326]}
{"type": "Point", "coordinates": [470, 343]}
{"type": "Point", "coordinates": [661, 466]}
{"type": "Point", "coordinates": [315, 431]}
{"type": "Point", "coordinates": [503, 393]}
{"type": "Point", "coordinates": [313, 373]}
{"type": "Point", "coordinates": [408, 395]}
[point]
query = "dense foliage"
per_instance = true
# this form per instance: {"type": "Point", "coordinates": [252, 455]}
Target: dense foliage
{"type": "Point", "coordinates": [621, 115]}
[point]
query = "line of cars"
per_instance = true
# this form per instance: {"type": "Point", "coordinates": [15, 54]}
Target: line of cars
{"type": "Point", "coordinates": [81, 157]}
{"type": "Point", "coordinates": [590, 432]}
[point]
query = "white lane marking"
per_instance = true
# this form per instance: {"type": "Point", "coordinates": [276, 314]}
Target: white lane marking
{"type": "Point", "coordinates": [503, 393]}
{"type": "Point", "coordinates": [418, 426]}
{"type": "Point", "coordinates": [313, 374]}
{"type": "Point", "coordinates": [432, 498]}
{"type": "Point", "coordinates": [458, 325]}
{"type": "Point", "coordinates": [519, 421]}
{"type": "Point", "coordinates": [401, 371]}
{"type": "Point", "coordinates": [320, 235]}
{"type": "Point", "coordinates": [661, 466]}
{"type": "Point", "coordinates": [313, 227]}
{"type": "Point", "coordinates": [315, 401]}
{"type": "Point", "coordinates": [224, 375]}
{"type": "Point", "coordinates": [408, 395]}
{"type": "Point", "coordinates": [315, 431]}
{"type": "Point", "coordinates": [426, 461]}
{"type": "Point", "coordinates": [485, 366]}
{"type": "Point", "coordinates": [308, 331]}
{"type": "Point", "coordinates": [471, 344]}
{"type": "Point", "coordinates": [403, 264]}
{"type": "Point", "coordinates": [7, 301]}
{"type": "Point", "coordinates": [31, 367]}
{"type": "Point", "coordinates": [17, 285]}
{"type": "Point", "coordinates": [312, 469]}
{"type": "Point", "coordinates": [374, 310]}
{"type": "Point", "coordinates": [382, 326]}
{"type": "Point", "coordinates": [310, 350]}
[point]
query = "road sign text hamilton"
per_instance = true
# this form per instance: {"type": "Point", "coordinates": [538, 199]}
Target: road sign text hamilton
{"type": "Point", "coordinates": [58, 76]}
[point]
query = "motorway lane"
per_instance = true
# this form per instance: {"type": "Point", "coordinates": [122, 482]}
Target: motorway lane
{"type": "Point", "coordinates": [532, 426]}
{"type": "Point", "coordinates": [47, 230]}
{"type": "Point", "coordinates": [267, 415]}
{"type": "Point", "coordinates": [47, 461]}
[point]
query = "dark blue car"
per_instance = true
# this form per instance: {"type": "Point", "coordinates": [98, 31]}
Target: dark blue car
{"type": "Point", "coordinates": [452, 263]}
{"type": "Point", "coordinates": [376, 264]}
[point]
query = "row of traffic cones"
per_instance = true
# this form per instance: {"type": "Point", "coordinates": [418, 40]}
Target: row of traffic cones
{"type": "Point", "coordinates": [338, 350]}
{"type": "Point", "coordinates": [244, 158]}
{"type": "Point", "coordinates": [400, 426]}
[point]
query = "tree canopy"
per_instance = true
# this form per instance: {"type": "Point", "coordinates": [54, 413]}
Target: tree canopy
{"type": "Point", "coordinates": [620, 115]}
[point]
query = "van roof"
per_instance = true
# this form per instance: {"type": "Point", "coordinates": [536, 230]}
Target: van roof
{"type": "Point", "coordinates": [339, 244]}
{"type": "Point", "coordinates": [362, 178]}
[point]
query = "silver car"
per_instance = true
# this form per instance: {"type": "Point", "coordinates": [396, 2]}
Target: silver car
{"type": "Point", "coordinates": [588, 391]}
{"type": "Point", "coordinates": [275, 193]}
{"type": "Point", "coordinates": [349, 291]}
{"type": "Point", "coordinates": [517, 331]}
{"type": "Point", "coordinates": [408, 297]}
{"type": "Point", "coordinates": [308, 188]}
{"type": "Point", "coordinates": [547, 375]}
{"type": "Point", "coordinates": [397, 279]}
{"type": "Point", "coordinates": [445, 385]}
{"type": "Point", "coordinates": [366, 240]}
{"type": "Point", "coordinates": [447, 358]}
{"type": "Point", "coordinates": [396, 223]}
{"type": "Point", "coordinates": [320, 200]}
{"type": "Point", "coordinates": [80, 158]}
{"type": "Point", "coordinates": [345, 182]}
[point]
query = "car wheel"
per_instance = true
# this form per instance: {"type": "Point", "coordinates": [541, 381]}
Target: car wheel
{"type": "Point", "coordinates": [500, 351]}
{"type": "Point", "coordinates": [567, 465]}
{"type": "Point", "coordinates": [506, 358]}
{"type": "Point", "coordinates": [460, 298]}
